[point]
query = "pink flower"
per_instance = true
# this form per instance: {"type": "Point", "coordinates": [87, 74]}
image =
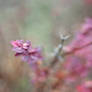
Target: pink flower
{"type": "Point", "coordinates": [82, 38]}
{"type": "Point", "coordinates": [81, 46]}
{"type": "Point", "coordinates": [24, 49]}
{"type": "Point", "coordinates": [85, 87]}
{"type": "Point", "coordinates": [76, 68]}
{"type": "Point", "coordinates": [79, 52]}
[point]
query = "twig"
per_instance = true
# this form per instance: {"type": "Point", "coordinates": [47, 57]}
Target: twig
{"type": "Point", "coordinates": [58, 50]}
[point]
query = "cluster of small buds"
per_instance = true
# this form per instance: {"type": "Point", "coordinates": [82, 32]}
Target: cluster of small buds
{"type": "Point", "coordinates": [25, 50]}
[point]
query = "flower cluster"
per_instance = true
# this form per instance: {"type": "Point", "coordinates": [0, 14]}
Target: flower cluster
{"type": "Point", "coordinates": [79, 52]}
{"type": "Point", "coordinates": [85, 87]}
{"type": "Point", "coordinates": [82, 38]}
{"type": "Point", "coordinates": [24, 49]}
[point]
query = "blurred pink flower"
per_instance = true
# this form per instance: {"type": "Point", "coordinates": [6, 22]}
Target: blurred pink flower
{"type": "Point", "coordinates": [79, 52]}
{"type": "Point", "coordinates": [81, 46]}
{"type": "Point", "coordinates": [40, 75]}
{"type": "Point", "coordinates": [85, 87]}
{"type": "Point", "coordinates": [76, 68]}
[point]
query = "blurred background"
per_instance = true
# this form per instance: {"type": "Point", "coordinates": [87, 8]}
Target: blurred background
{"type": "Point", "coordinates": [39, 21]}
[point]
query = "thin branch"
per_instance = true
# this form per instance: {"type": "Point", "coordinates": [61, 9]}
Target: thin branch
{"type": "Point", "coordinates": [58, 50]}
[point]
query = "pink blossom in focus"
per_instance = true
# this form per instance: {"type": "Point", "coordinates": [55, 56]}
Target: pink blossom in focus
{"type": "Point", "coordinates": [24, 49]}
